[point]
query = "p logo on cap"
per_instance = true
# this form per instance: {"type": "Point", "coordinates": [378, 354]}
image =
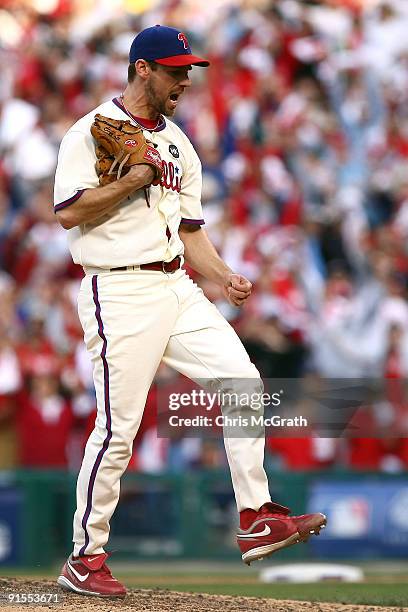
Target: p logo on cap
{"type": "Point", "coordinates": [184, 40]}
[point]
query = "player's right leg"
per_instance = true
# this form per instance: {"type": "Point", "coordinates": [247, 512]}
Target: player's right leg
{"type": "Point", "coordinates": [127, 318]}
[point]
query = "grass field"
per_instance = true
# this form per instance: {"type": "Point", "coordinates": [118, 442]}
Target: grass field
{"type": "Point", "coordinates": [382, 588]}
{"type": "Point", "coordinates": [393, 594]}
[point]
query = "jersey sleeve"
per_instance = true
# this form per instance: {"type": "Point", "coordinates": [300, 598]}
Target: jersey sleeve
{"type": "Point", "coordinates": [190, 194]}
{"type": "Point", "coordinates": [75, 169]}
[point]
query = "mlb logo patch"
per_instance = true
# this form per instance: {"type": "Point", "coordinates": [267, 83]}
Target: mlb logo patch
{"type": "Point", "coordinates": [174, 150]}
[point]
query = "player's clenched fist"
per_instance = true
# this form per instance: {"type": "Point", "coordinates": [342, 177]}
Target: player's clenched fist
{"type": "Point", "coordinates": [237, 288]}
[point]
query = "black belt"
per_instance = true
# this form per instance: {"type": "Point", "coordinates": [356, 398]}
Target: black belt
{"type": "Point", "coordinates": [159, 266]}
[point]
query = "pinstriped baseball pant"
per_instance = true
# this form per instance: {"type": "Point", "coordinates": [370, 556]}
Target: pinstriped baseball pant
{"type": "Point", "coordinates": [132, 321]}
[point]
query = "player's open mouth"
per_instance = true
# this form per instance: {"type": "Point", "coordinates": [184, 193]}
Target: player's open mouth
{"type": "Point", "coordinates": [173, 98]}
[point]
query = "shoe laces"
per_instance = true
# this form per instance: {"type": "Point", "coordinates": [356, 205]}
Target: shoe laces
{"type": "Point", "coordinates": [105, 569]}
{"type": "Point", "coordinates": [104, 566]}
{"type": "Point", "coordinates": [272, 508]}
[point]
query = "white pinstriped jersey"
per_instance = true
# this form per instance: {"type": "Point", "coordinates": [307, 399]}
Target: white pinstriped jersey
{"type": "Point", "coordinates": [133, 232]}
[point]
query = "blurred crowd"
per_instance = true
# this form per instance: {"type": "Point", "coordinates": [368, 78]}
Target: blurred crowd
{"type": "Point", "coordinates": [301, 124]}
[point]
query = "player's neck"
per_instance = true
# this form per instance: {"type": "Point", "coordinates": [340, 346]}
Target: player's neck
{"type": "Point", "coordinates": [136, 104]}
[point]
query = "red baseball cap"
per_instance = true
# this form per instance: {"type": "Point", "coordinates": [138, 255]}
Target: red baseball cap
{"type": "Point", "coordinates": [166, 46]}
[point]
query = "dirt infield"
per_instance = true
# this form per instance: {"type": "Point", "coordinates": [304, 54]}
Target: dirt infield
{"type": "Point", "coordinates": [158, 600]}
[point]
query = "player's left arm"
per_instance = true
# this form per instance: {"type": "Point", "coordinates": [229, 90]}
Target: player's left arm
{"type": "Point", "coordinates": [201, 255]}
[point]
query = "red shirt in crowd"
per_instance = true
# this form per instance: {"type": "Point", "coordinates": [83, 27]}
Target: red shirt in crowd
{"type": "Point", "coordinates": [44, 428]}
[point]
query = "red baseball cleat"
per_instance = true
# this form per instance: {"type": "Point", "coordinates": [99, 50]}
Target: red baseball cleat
{"type": "Point", "coordinates": [89, 575]}
{"type": "Point", "coordinates": [271, 528]}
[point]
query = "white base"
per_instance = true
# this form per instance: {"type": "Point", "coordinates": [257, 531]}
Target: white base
{"type": "Point", "coordinates": [311, 572]}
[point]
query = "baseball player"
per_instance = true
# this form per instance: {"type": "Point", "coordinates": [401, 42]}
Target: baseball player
{"type": "Point", "coordinates": [127, 189]}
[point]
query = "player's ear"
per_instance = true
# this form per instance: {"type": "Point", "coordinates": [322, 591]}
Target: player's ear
{"type": "Point", "coordinates": [142, 68]}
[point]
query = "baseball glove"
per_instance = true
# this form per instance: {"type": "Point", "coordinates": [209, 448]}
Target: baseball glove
{"type": "Point", "coordinates": [121, 145]}
{"type": "Point", "coordinates": [103, 165]}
